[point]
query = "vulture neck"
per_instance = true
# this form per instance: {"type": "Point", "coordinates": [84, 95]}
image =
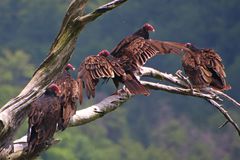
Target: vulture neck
{"type": "Point", "coordinates": [66, 71]}
{"type": "Point", "coordinates": [195, 49]}
{"type": "Point", "coordinates": [142, 33]}
{"type": "Point", "coordinates": [50, 92]}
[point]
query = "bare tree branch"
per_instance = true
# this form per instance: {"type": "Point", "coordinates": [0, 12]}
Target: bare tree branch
{"type": "Point", "coordinates": [96, 111]}
{"type": "Point", "coordinates": [225, 96]}
{"type": "Point", "coordinates": [153, 73]}
{"type": "Point", "coordinates": [111, 103]}
{"type": "Point", "coordinates": [225, 114]}
{"type": "Point", "coordinates": [14, 112]}
{"type": "Point", "coordinates": [177, 90]}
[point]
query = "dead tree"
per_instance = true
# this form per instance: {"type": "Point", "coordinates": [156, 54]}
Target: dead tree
{"type": "Point", "coordinates": [14, 112]}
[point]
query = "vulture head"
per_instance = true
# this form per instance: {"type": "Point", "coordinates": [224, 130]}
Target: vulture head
{"type": "Point", "coordinates": [54, 88]}
{"type": "Point", "coordinates": [69, 67]}
{"type": "Point", "coordinates": [148, 27]}
{"type": "Point", "coordinates": [191, 47]}
{"type": "Point", "coordinates": [104, 53]}
{"type": "Point", "coordinates": [188, 45]}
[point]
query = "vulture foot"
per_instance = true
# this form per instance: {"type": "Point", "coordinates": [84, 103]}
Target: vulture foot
{"type": "Point", "coordinates": [185, 79]}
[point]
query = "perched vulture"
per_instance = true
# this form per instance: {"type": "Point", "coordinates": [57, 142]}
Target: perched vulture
{"type": "Point", "coordinates": [71, 91]}
{"type": "Point", "coordinates": [204, 68]}
{"type": "Point", "coordinates": [105, 66]}
{"type": "Point", "coordinates": [43, 118]}
{"type": "Point", "coordinates": [136, 49]}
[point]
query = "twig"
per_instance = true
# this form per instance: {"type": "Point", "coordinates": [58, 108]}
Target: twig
{"type": "Point", "coordinates": [225, 114]}
{"type": "Point", "coordinates": [226, 96]}
{"type": "Point", "coordinates": [177, 90]}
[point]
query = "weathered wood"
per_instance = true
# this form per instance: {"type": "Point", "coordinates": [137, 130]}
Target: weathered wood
{"type": "Point", "coordinates": [114, 101]}
{"type": "Point", "coordinates": [14, 112]}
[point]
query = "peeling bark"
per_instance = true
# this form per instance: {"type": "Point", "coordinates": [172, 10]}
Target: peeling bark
{"type": "Point", "coordinates": [14, 112]}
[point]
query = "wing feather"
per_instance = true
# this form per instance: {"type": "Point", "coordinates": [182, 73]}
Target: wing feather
{"type": "Point", "coordinates": [92, 69]}
{"type": "Point", "coordinates": [43, 118]}
{"type": "Point", "coordinates": [204, 67]}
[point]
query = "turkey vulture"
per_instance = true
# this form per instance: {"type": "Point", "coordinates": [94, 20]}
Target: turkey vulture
{"type": "Point", "coordinates": [105, 66]}
{"type": "Point", "coordinates": [43, 118]}
{"type": "Point", "coordinates": [204, 68]}
{"type": "Point", "coordinates": [71, 91]}
{"type": "Point", "coordinates": [136, 49]}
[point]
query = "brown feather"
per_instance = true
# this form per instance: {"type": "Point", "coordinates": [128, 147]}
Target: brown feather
{"type": "Point", "coordinates": [43, 118]}
{"type": "Point", "coordinates": [94, 68]}
{"type": "Point", "coordinates": [103, 67]}
{"type": "Point", "coordinates": [71, 92]}
{"type": "Point", "coordinates": [207, 66]}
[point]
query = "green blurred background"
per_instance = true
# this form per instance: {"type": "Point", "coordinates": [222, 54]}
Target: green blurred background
{"type": "Point", "coordinates": [160, 127]}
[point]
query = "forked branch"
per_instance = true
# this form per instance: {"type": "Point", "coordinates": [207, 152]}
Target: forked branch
{"type": "Point", "coordinates": [14, 112]}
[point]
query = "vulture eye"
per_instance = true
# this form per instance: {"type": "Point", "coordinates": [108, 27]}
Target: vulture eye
{"type": "Point", "coordinates": [149, 27]}
{"type": "Point", "coordinates": [70, 67]}
{"type": "Point", "coordinates": [104, 53]}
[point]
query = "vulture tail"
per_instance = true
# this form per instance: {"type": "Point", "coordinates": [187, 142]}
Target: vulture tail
{"type": "Point", "coordinates": [134, 86]}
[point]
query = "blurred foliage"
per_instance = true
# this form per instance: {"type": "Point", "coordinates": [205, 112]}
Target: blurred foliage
{"type": "Point", "coordinates": [15, 70]}
{"type": "Point", "coordinates": [160, 127]}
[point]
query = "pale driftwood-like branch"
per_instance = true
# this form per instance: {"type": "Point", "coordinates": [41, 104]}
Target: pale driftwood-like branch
{"type": "Point", "coordinates": [226, 96]}
{"type": "Point", "coordinates": [208, 94]}
{"type": "Point", "coordinates": [14, 112]}
{"type": "Point", "coordinates": [176, 90]}
{"type": "Point", "coordinates": [111, 103]}
{"type": "Point", "coordinates": [96, 111]}
{"type": "Point", "coordinates": [81, 117]}
{"type": "Point", "coordinates": [153, 73]}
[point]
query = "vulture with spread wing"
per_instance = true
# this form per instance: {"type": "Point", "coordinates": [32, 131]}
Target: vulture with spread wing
{"type": "Point", "coordinates": [105, 66]}
{"type": "Point", "coordinates": [71, 92]}
{"type": "Point", "coordinates": [136, 49]}
{"type": "Point", "coordinates": [43, 119]}
{"type": "Point", "coordinates": [204, 68]}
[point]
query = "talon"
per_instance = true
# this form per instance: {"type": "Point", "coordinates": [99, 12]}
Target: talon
{"type": "Point", "coordinates": [127, 91]}
{"type": "Point", "coordinates": [185, 79]}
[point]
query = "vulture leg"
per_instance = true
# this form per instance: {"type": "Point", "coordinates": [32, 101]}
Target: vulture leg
{"type": "Point", "coordinates": [185, 79]}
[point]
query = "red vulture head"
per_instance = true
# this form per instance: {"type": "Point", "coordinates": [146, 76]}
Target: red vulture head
{"type": "Point", "coordinates": [53, 87]}
{"type": "Point", "coordinates": [69, 67]}
{"type": "Point", "coordinates": [188, 45]}
{"type": "Point", "coordinates": [104, 53]}
{"type": "Point", "coordinates": [148, 27]}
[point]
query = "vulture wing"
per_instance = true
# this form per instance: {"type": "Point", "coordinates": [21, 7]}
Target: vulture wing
{"type": "Point", "coordinates": [43, 118]}
{"type": "Point", "coordinates": [116, 52]}
{"type": "Point", "coordinates": [95, 67]}
{"type": "Point", "coordinates": [71, 91]}
{"type": "Point", "coordinates": [204, 68]}
{"type": "Point", "coordinates": [213, 63]}
{"type": "Point", "coordinates": [198, 76]}
{"type": "Point", "coordinates": [139, 50]}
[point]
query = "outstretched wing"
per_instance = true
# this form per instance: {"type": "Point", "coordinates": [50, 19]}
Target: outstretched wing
{"type": "Point", "coordinates": [95, 67]}
{"type": "Point", "coordinates": [139, 50]}
{"type": "Point", "coordinates": [116, 52]}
